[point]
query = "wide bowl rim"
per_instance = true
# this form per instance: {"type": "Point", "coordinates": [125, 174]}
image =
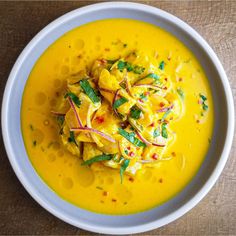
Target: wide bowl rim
{"type": "Point", "coordinates": [204, 189]}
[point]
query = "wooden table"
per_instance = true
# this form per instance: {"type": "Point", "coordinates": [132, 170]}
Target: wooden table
{"type": "Point", "coordinates": [215, 21]}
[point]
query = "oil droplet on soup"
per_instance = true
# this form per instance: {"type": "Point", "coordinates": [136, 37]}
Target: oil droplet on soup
{"type": "Point", "coordinates": [97, 188]}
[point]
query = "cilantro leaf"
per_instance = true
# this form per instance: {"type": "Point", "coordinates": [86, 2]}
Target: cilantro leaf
{"type": "Point", "coordinates": [131, 138]}
{"type": "Point", "coordinates": [89, 91]}
{"type": "Point", "coordinates": [123, 167]}
{"type": "Point", "coordinates": [119, 102]}
{"type": "Point", "coordinates": [74, 98]}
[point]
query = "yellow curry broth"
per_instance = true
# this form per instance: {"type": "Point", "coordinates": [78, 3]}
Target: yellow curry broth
{"type": "Point", "coordinates": [99, 188]}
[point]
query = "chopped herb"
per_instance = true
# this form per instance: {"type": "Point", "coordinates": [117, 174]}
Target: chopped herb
{"type": "Point", "coordinates": [143, 97]}
{"type": "Point", "coordinates": [85, 85]}
{"type": "Point", "coordinates": [126, 152]}
{"type": "Point", "coordinates": [116, 158]}
{"type": "Point", "coordinates": [121, 65]}
{"type": "Point", "coordinates": [123, 167]}
{"type": "Point", "coordinates": [162, 65]}
{"type": "Point", "coordinates": [180, 92]}
{"type": "Point", "coordinates": [124, 65]}
{"type": "Point", "coordinates": [156, 133]}
{"type": "Point", "coordinates": [164, 133]}
{"type": "Point", "coordinates": [135, 112]}
{"type": "Point", "coordinates": [131, 138]}
{"type": "Point", "coordinates": [153, 76]}
{"type": "Point", "coordinates": [204, 107]}
{"type": "Point", "coordinates": [119, 102]}
{"type": "Point", "coordinates": [202, 97]}
{"type": "Point", "coordinates": [166, 114]}
{"type": "Point", "coordinates": [98, 158]}
{"type": "Point", "coordinates": [34, 142]}
{"type": "Point", "coordinates": [71, 139]}
{"type": "Point", "coordinates": [138, 69]}
{"type": "Point", "coordinates": [74, 98]}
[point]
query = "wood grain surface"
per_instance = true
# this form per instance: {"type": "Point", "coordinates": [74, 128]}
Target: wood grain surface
{"type": "Point", "coordinates": [20, 21]}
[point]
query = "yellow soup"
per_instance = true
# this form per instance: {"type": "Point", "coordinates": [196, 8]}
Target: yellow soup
{"type": "Point", "coordinates": [146, 94]}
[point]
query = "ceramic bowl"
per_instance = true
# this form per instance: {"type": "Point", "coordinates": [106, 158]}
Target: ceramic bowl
{"type": "Point", "coordinates": [200, 184]}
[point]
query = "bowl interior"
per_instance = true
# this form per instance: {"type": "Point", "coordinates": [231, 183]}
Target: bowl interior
{"type": "Point", "coordinates": [18, 155]}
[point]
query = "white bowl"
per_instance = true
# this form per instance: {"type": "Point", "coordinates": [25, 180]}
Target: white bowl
{"type": "Point", "coordinates": [133, 223]}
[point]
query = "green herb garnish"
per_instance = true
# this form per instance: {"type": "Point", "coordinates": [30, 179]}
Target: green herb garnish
{"type": "Point", "coordinates": [119, 102]}
{"type": "Point", "coordinates": [165, 115]}
{"type": "Point", "coordinates": [85, 85]}
{"type": "Point", "coordinates": [181, 93]}
{"type": "Point", "coordinates": [204, 107]}
{"type": "Point", "coordinates": [135, 112]}
{"type": "Point", "coordinates": [138, 69]}
{"type": "Point", "coordinates": [162, 65]}
{"type": "Point", "coordinates": [156, 133]}
{"type": "Point", "coordinates": [123, 167]}
{"type": "Point", "coordinates": [143, 97]}
{"type": "Point", "coordinates": [131, 138]}
{"type": "Point", "coordinates": [164, 133]}
{"type": "Point", "coordinates": [153, 76]}
{"type": "Point", "coordinates": [74, 98]}
{"type": "Point", "coordinates": [204, 98]}
{"type": "Point", "coordinates": [98, 158]}
{"type": "Point", "coordinates": [121, 65]}
{"type": "Point", "coordinates": [126, 151]}
{"type": "Point", "coordinates": [71, 139]}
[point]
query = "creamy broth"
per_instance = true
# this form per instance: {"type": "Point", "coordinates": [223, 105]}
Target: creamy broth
{"type": "Point", "coordinates": [98, 188]}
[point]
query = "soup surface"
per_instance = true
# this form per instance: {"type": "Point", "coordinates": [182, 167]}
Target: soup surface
{"type": "Point", "coordinates": [189, 116]}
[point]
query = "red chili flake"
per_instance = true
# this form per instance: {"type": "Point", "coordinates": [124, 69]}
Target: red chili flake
{"type": "Point", "coordinates": [180, 79]}
{"type": "Point", "coordinates": [165, 88]}
{"type": "Point", "coordinates": [140, 100]}
{"type": "Point", "coordinates": [131, 154]}
{"type": "Point", "coordinates": [155, 156]}
{"type": "Point", "coordinates": [152, 124]}
{"type": "Point", "coordinates": [162, 104]}
{"type": "Point", "coordinates": [131, 179]}
{"type": "Point", "coordinates": [160, 180]}
{"type": "Point", "coordinates": [99, 119]}
{"type": "Point", "coordinates": [165, 79]}
{"type": "Point", "coordinates": [146, 93]}
{"type": "Point", "coordinates": [198, 121]}
{"type": "Point", "coordinates": [105, 193]}
{"type": "Point", "coordinates": [173, 154]}
{"type": "Point", "coordinates": [128, 148]}
{"type": "Point", "coordinates": [113, 199]}
{"type": "Point", "coordinates": [57, 94]}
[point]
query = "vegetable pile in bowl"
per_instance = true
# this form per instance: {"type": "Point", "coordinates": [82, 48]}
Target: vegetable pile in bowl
{"type": "Point", "coordinates": [119, 113]}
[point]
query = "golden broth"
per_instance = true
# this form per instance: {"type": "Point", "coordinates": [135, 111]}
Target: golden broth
{"type": "Point", "coordinates": [101, 190]}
